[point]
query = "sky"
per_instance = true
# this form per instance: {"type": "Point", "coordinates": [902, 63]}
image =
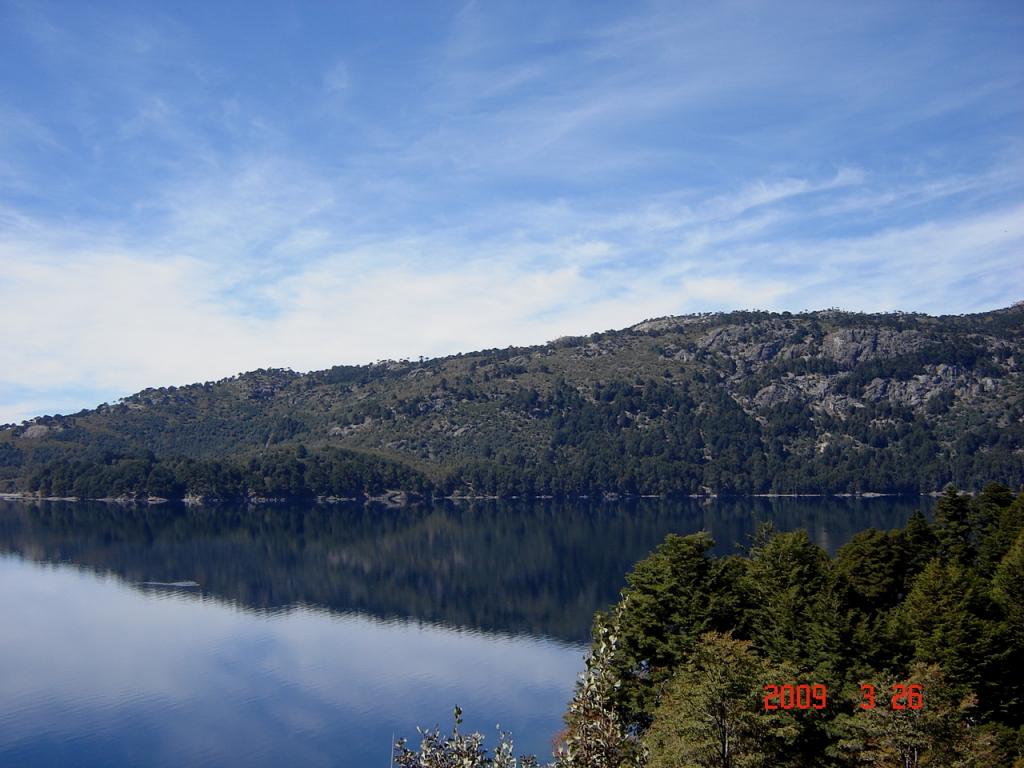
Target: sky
{"type": "Point", "coordinates": [190, 190]}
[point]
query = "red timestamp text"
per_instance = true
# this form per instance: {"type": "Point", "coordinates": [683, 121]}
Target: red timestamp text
{"type": "Point", "coordinates": [904, 696]}
{"type": "Point", "coordinates": [795, 696]}
{"type": "Point", "coordinates": [815, 696]}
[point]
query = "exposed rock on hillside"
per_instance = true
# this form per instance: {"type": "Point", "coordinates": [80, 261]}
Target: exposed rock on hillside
{"type": "Point", "coordinates": [738, 402]}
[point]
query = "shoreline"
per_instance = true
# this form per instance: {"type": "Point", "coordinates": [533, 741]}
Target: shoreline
{"type": "Point", "coordinates": [400, 498]}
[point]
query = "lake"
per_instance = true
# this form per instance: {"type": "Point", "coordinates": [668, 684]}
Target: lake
{"type": "Point", "coordinates": [313, 635]}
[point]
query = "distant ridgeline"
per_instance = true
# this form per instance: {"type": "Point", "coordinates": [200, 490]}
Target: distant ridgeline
{"type": "Point", "coordinates": [738, 403]}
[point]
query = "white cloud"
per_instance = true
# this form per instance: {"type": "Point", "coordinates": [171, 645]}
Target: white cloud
{"type": "Point", "coordinates": [118, 319]}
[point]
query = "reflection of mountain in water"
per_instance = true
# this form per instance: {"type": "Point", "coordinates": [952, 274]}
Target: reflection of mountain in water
{"type": "Point", "coordinates": [519, 567]}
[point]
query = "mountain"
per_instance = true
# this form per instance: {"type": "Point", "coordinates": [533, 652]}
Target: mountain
{"type": "Point", "coordinates": [740, 402]}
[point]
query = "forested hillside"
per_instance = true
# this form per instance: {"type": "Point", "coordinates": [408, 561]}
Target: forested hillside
{"type": "Point", "coordinates": [744, 402]}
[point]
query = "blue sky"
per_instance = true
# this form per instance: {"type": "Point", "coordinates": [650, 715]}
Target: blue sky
{"type": "Point", "coordinates": [193, 189]}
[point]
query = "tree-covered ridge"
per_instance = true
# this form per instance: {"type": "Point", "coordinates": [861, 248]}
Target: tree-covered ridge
{"type": "Point", "coordinates": [744, 402]}
{"type": "Point", "coordinates": [678, 669]}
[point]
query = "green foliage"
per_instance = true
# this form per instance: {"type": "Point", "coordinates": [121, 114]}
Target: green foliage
{"type": "Point", "coordinates": [942, 621]}
{"type": "Point", "coordinates": [711, 713]}
{"type": "Point", "coordinates": [666, 608]}
{"type": "Point", "coordinates": [944, 733]}
{"type": "Point", "coordinates": [595, 736]}
{"type": "Point", "coordinates": [1007, 522]}
{"type": "Point", "coordinates": [918, 545]}
{"type": "Point", "coordinates": [792, 616]}
{"type": "Point", "coordinates": [871, 568]}
{"type": "Point", "coordinates": [1008, 587]}
{"type": "Point", "coordinates": [279, 474]}
{"type": "Point", "coordinates": [911, 605]}
{"type": "Point", "coordinates": [953, 527]}
{"type": "Point", "coordinates": [1008, 636]}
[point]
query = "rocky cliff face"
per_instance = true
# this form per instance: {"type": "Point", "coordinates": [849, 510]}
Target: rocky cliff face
{"type": "Point", "coordinates": [994, 364]}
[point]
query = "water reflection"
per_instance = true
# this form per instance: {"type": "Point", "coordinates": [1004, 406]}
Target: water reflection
{"type": "Point", "coordinates": [310, 635]}
{"type": "Point", "coordinates": [95, 674]}
{"type": "Point", "coordinates": [522, 568]}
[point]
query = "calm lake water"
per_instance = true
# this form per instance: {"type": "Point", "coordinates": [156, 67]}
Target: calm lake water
{"type": "Point", "coordinates": [307, 636]}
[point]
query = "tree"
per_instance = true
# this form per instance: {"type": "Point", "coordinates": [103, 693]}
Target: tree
{"type": "Point", "coordinates": [870, 567]}
{"type": "Point", "coordinates": [1008, 593]}
{"type": "Point", "coordinates": [870, 570]}
{"type": "Point", "coordinates": [1007, 524]}
{"type": "Point", "coordinates": [595, 736]}
{"type": "Point", "coordinates": [665, 608]}
{"type": "Point", "coordinates": [919, 545]}
{"type": "Point", "coordinates": [790, 587]}
{"type": "Point", "coordinates": [712, 712]}
{"type": "Point", "coordinates": [941, 734]}
{"type": "Point", "coordinates": [1008, 587]}
{"type": "Point", "coordinates": [953, 527]}
{"type": "Point", "coordinates": [941, 621]}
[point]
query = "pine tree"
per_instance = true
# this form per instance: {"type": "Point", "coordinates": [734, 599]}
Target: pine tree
{"type": "Point", "coordinates": [953, 527]}
{"type": "Point", "coordinates": [1007, 525]}
{"type": "Point", "coordinates": [918, 544]}
{"type": "Point", "coordinates": [1008, 587]}
{"type": "Point", "coordinates": [941, 621]}
{"type": "Point", "coordinates": [667, 606]}
{"type": "Point", "coordinates": [790, 587]}
{"type": "Point", "coordinates": [1007, 670]}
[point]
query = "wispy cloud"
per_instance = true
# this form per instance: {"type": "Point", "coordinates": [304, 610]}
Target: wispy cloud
{"type": "Point", "coordinates": [179, 201]}
{"type": "Point", "coordinates": [117, 321]}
